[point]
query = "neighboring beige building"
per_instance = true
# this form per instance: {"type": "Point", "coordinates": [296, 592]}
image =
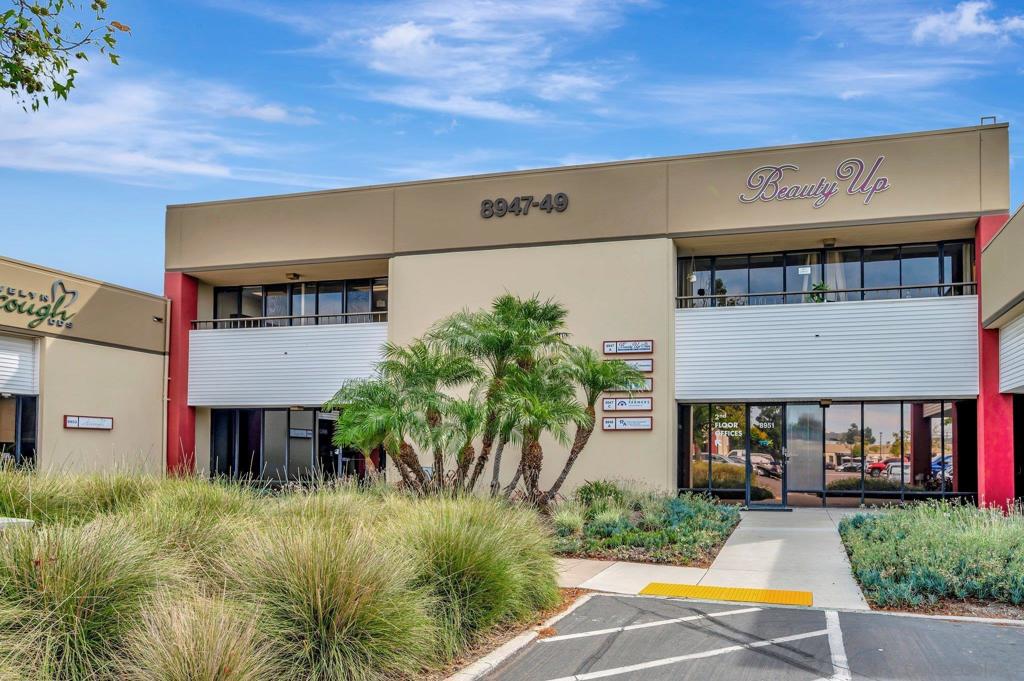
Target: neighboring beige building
{"type": "Point", "coordinates": [82, 372]}
{"type": "Point", "coordinates": [784, 297]}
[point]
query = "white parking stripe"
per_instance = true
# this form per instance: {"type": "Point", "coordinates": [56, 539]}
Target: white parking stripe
{"type": "Point", "coordinates": [840, 665]}
{"type": "Point", "coordinates": [692, 656]}
{"type": "Point", "coordinates": [646, 625]}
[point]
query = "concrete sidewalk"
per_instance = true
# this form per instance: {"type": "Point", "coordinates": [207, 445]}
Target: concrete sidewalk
{"type": "Point", "coordinates": [798, 550]}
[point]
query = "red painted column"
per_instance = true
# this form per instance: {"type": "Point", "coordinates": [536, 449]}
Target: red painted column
{"type": "Point", "coordinates": [995, 410]}
{"type": "Point", "coordinates": [183, 292]}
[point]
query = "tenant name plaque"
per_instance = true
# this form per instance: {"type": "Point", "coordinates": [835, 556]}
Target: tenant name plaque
{"type": "Point", "coordinates": [627, 403]}
{"type": "Point", "coordinates": [640, 364]}
{"type": "Point", "coordinates": [644, 385]}
{"type": "Point", "coordinates": [89, 422]}
{"type": "Point", "coordinates": [628, 347]}
{"type": "Point", "coordinates": [627, 423]}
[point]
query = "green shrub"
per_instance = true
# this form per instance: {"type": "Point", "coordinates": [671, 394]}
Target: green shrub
{"type": "Point", "coordinates": [568, 519]}
{"type": "Point", "coordinates": [590, 492]}
{"type": "Point", "coordinates": [483, 562]}
{"type": "Point", "coordinates": [936, 550]}
{"type": "Point", "coordinates": [727, 476]}
{"type": "Point", "coordinates": [199, 639]}
{"type": "Point", "coordinates": [71, 592]}
{"type": "Point", "coordinates": [337, 602]}
{"type": "Point", "coordinates": [63, 498]}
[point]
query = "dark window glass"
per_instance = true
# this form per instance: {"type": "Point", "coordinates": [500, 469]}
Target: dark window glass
{"type": "Point", "coordinates": [731, 280]}
{"type": "Point", "coordinates": [803, 276]}
{"type": "Point", "coordinates": [300, 445]}
{"type": "Point", "coordinates": [957, 267]}
{"type": "Point", "coordinates": [249, 427]}
{"type": "Point", "coordinates": [357, 299]}
{"type": "Point", "coordinates": [276, 304]}
{"type": "Point", "coordinates": [919, 265]}
{"type": "Point", "coordinates": [767, 276]}
{"type": "Point", "coordinates": [222, 446]}
{"type": "Point", "coordinates": [252, 301]}
{"type": "Point", "coordinates": [332, 302]}
{"type": "Point", "coordinates": [27, 430]}
{"type": "Point", "coordinates": [842, 273]}
{"type": "Point", "coordinates": [304, 304]}
{"type": "Point", "coordinates": [275, 443]}
{"type": "Point", "coordinates": [698, 282]}
{"type": "Point", "coordinates": [226, 305]}
{"type": "Point", "coordinates": [380, 300]}
{"type": "Point", "coordinates": [881, 271]}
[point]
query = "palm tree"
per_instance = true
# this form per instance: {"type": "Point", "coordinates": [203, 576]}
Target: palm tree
{"type": "Point", "coordinates": [465, 421]}
{"type": "Point", "coordinates": [511, 334]}
{"type": "Point", "coordinates": [594, 376]}
{"type": "Point", "coordinates": [423, 371]}
{"type": "Point", "coordinates": [375, 412]}
{"type": "Point", "coordinates": [543, 401]}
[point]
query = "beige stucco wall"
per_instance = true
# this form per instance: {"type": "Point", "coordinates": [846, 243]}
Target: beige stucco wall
{"type": "Point", "coordinates": [613, 290]}
{"type": "Point", "coordinates": [85, 379]}
{"type": "Point", "coordinates": [1002, 277]}
{"type": "Point", "coordinates": [202, 441]}
{"type": "Point", "coordinates": [932, 175]}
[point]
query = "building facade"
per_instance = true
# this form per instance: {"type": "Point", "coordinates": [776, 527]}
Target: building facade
{"type": "Point", "coordinates": [82, 373]}
{"type": "Point", "coordinates": [835, 320]}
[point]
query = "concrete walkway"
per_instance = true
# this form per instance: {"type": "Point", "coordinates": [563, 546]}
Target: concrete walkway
{"type": "Point", "coordinates": [798, 550]}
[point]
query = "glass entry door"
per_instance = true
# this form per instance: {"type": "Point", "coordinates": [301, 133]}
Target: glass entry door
{"type": "Point", "coordinates": [766, 461]}
{"type": "Point", "coordinates": [805, 459]}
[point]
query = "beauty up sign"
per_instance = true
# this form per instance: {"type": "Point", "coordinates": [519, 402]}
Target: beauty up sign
{"type": "Point", "coordinates": [853, 176]}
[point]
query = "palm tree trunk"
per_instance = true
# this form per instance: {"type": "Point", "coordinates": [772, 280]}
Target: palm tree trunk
{"type": "Point", "coordinates": [519, 474]}
{"type": "Point", "coordinates": [410, 459]}
{"type": "Point", "coordinates": [465, 458]}
{"type": "Point", "coordinates": [496, 473]}
{"type": "Point", "coordinates": [434, 423]}
{"type": "Point", "coordinates": [533, 459]}
{"type": "Point", "coordinates": [579, 442]}
{"type": "Point", "coordinates": [490, 426]}
{"type": "Point", "coordinates": [404, 471]}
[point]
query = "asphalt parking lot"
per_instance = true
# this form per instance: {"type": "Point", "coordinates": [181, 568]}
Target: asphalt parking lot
{"type": "Point", "coordinates": [629, 637]}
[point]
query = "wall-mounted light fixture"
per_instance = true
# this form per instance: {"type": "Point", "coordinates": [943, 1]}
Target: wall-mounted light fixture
{"type": "Point", "coordinates": [825, 403]}
{"type": "Point", "coordinates": [829, 243]}
{"type": "Point", "coordinates": [158, 320]}
{"type": "Point", "coordinates": [292, 276]}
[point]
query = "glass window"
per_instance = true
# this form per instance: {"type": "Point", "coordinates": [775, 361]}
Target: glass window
{"type": "Point", "coordinates": [357, 299]}
{"type": "Point", "coordinates": [803, 274]}
{"type": "Point", "coordinates": [252, 301]}
{"type": "Point", "coordinates": [882, 441]}
{"type": "Point", "coordinates": [276, 304]}
{"type": "Point", "coordinates": [222, 446]}
{"type": "Point", "coordinates": [698, 282]}
{"type": "Point", "coordinates": [698, 451]}
{"type": "Point", "coordinates": [304, 304]}
{"type": "Point", "coordinates": [843, 447]}
{"type": "Point", "coordinates": [805, 469]}
{"type": "Point", "coordinates": [8, 428]}
{"type": "Point", "coordinates": [226, 306]}
{"type": "Point", "coordinates": [380, 299]}
{"type": "Point", "coordinates": [919, 265]}
{"type": "Point", "coordinates": [766, 426]}
{"type": "Point", "coordinates": [957, 267]}
{"type": "Point", "coordinates": [249, 426]}
{"type": "Point", "coordinates": [881, 271]}
{"type": "Point", "coordinates": [727, 446]}
{"type": "Point", "coordinates": [275, 443]}
{"type": "Point", "coordinates": [842, 273]}
{"type": "Point", "coordinates": [300, 445]}
{"type": "Point", "coordinates": [27, 430]}
{"type": "Point", "coordinates": [731, 276]}
{"type": "Point", "coordinates": [767, 276]}
{"type": "Point", "coordinates": [331, 298]}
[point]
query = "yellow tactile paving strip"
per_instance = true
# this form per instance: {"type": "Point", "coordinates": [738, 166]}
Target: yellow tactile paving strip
{"type": "Point", "coordinates": [729, 593]}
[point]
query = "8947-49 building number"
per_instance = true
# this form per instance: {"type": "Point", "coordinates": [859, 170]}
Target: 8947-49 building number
{"type": "Point", "coordinates": [520, 205]}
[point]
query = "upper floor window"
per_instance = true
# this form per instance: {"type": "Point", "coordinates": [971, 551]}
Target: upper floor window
{"type": "Point", "coordinates": [828, 275]}
{"type": "Point", "coordinates": [301, 304]}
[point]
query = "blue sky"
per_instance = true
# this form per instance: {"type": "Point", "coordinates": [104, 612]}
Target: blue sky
{"type": "Point", "coordinates": [229, 98]}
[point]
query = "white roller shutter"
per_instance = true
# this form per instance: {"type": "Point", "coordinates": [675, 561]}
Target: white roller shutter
{"type": "Point", "coordinates": [1011, 357]}
{"type": "Point", "coordinates": [18, 366]}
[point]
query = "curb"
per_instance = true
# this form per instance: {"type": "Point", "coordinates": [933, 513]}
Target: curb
{"type": "Point", "coordinates": [490, 661]}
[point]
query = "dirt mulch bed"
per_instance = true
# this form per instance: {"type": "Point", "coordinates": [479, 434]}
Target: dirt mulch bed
{"type": "Point", "coordinates": [967, 608]}
{"type": "Point", "coordinates": [501, 635]}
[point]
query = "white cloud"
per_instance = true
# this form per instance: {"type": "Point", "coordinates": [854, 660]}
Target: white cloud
{"type": "Point", "coordinates": [492, 59]}
{"type": "Point", "coordinates": [968, 20]}
{"type": "Point", "coordinates": [152, 131]}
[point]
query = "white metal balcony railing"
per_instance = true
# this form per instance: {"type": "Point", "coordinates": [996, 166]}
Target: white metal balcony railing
{"type": "Point", "coordinates": [864, 349]}
{"type": "Point", "coordinates": [279, 365]}
{"type": "Point", "coordinates": [830, 295]}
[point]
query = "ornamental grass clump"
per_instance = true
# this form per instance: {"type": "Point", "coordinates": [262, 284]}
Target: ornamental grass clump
{"type": "Point", "coordinates": [482, 561]}
{"type": "Point", "coordinates": [48, 498]}
{"type": "Point", "coordinates": [68, 594]}
{"type": "Point", "coordinates": [334, 599]}
{"type": "Point", "coordinates": [937, 550]}
{"type": "Point", "coordinates": [198, 638]}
